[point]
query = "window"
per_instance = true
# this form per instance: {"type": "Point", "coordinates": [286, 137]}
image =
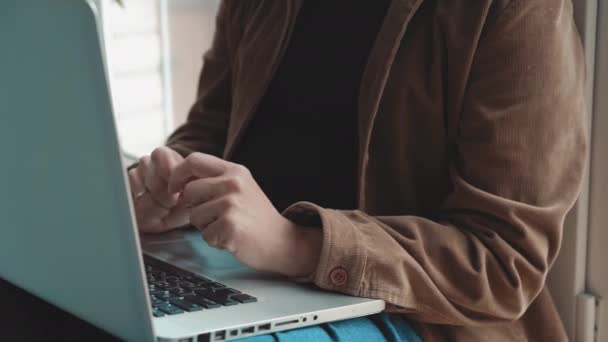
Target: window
{"type": "Point", "coordinates": [597, 271]}
{"type": "Point", "coordinates": [154, 50]}
{"type": "Point", "coordinates": [579, 278]}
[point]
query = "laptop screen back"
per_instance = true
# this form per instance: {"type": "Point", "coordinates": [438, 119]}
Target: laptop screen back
{"type": "Point", "coordinates": [66, 232]}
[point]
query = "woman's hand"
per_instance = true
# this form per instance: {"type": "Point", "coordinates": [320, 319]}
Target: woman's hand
{"type": "Point", "coordinates": [233, 213]}
{"type": "Point", "coordinates": [156, 209]}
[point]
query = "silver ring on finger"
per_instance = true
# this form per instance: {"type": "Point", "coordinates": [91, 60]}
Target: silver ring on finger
{"type": "Point", "coordinates": [139, 195]}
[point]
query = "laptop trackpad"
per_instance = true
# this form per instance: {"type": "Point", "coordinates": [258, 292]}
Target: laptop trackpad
{"type": "Point", "coordinates": [186, 248]}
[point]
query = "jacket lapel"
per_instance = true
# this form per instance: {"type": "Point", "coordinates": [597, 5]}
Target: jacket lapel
{"type": "Point", "coordinates": [253, 83]}
{"type": "Point", "coordinates": [376, 74]}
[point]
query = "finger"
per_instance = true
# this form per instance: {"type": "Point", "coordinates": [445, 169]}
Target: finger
{"type": "Point", "coordinates": [203, 215]}
{"type": "Point", "coordinates": [218, 236]}
{"type": "Point", "coordinates": [157, 226]}
{"type": "Point", "coordinates": [135, 182]}
{"type": "Point", "coordinates": [179, 216]}
{"type": "Point", "coordinates": [212, 236]}
{"type": "Point", "coordinates": [157, 186]}
{"type": "Point", "coordinates": [206, 189]}
{"type": "Point", "coordinates": [165, 160]}
{"type": "Point", "coordinates": [147, 209]}
{"type": "Point", "coordinates": [142, 170]}
{"type": "Point", "coordinates": [196, 165]}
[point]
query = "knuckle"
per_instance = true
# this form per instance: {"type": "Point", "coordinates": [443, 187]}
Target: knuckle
{"type": "Point", "coordinates": [175, 154]}
{"type": "Point", "coordinates": [229, 203]}
{"type": "Point", "coordinates": [234, 184]}
{"type": "Point", "coordinates": [157, 154]}
{"type": "Point", "coordinates": [229, 222]}
{"type": "Point", "coordinates": [192, 158]}
{"type": "Point", "coordinates": [144, 161]}
{"type": "Point", "coordinates": [241, 170]}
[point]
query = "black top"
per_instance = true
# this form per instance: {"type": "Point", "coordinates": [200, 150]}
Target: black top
{"type": "Point", "coordinates": [302, 142]}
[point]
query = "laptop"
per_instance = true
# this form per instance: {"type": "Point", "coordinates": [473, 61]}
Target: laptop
{"type": "Point", "coordinates": [68, 233]}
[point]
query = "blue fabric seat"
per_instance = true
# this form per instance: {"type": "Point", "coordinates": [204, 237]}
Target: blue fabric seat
{"type": "Point", "coordinates": [380, 327]}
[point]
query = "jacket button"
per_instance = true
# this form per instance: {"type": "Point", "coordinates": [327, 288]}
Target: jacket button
{"type": "Point", "coordinates": [338, 276]}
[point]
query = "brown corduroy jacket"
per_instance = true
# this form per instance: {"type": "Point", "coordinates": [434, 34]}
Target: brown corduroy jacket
{"type": "Point", "coordinates": [472, 148]}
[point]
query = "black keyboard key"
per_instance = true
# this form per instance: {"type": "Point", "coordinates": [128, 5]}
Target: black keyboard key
{"type": "Point", "coordinates": [209, 286]}
{"type": "Point", "coordinates": [202, 287]}
{"type": "Point", "coordinates": [181, 292]}
{"type": "Point", "coordinates": [156, 300]}
{"type": "Point", "coordinates": [223, 298]}
{"type": "Point", "coordinates": [201, 280]}
{"type": "Point", "coordinates": [219, 293]}
{"type": "Point", "coordinates": [223, 301]}
{"type": "Point", "coordinates": [188, 306]}
{"type": "Point", "coordinates": [156, 292]}
{"type": "Point", "coordinates": [157, 313]}
{"type": "Point", "coordinates": [227, 302]}
{"type": "Point", "coordinates": [170, 287]}
{"type": "Point", "coordinates": [244, 298]}
{"type": "Point", "coordinates": [172, 279]}
{"type": "Point", "coordinates": [166, 295]}
{"type": "Point", "coordinates": [196, 279]}
{"type": "Point", "coordinates": [157, 273]}
{"type": "Point", "coordinates": [206, 293]}
{"type": "Point", "coordinates": [204, 302]}
{"type": "Point", "coordinates": [225, 292]}
{"type": "Point", "coordinates": [167, 283]}
{"type": "Point", "coordinates": [163, 285]}
{"type": "Point", "coordinates": [170, 309]}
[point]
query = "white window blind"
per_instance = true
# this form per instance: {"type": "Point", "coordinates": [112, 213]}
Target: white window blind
{"type": "Point", "coordinates": [154, 50]}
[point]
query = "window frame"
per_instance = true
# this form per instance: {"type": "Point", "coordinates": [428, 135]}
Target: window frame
{"type": "Point", "coordinates": [597, 270]}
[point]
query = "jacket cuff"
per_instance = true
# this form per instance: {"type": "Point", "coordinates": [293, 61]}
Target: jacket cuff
{"type": "Point", "coordinates": [342, 262]}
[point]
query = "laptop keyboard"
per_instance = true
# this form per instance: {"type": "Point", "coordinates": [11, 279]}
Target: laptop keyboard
{"type": "Point", "coordinates": [175, 291]}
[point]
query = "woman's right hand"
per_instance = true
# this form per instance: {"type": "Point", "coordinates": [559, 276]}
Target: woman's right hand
{"type": "Point", "coordinates": [156, 209]}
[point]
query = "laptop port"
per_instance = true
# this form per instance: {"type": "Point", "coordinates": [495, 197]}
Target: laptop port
{"type": "Point", "coordinates": [293, 321]}
{"type": "Point", "coordinates": [234, 333]}
{"type": "Point", "coordinates": [204, 338]}
{"type": "Point", "coordinates": [248, 330]}
{"type": "Point", "coordinates": [264, 327]}
{"type": "Point", "coordinates": [220, 335]}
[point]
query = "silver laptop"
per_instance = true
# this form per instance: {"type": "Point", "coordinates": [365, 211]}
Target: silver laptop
{"type": "Point", "coordinates": [67, 229]}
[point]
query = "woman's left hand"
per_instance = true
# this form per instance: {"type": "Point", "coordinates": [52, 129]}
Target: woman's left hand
{"type": "Point", "coordinates": [233, 213]}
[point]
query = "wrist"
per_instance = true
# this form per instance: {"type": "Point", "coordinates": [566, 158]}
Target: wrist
{"type": "Point", "coordinates": [302, 250]}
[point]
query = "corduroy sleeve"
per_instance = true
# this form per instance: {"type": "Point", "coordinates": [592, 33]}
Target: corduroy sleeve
{"type": "Point", "coordinates": [516, 171]}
